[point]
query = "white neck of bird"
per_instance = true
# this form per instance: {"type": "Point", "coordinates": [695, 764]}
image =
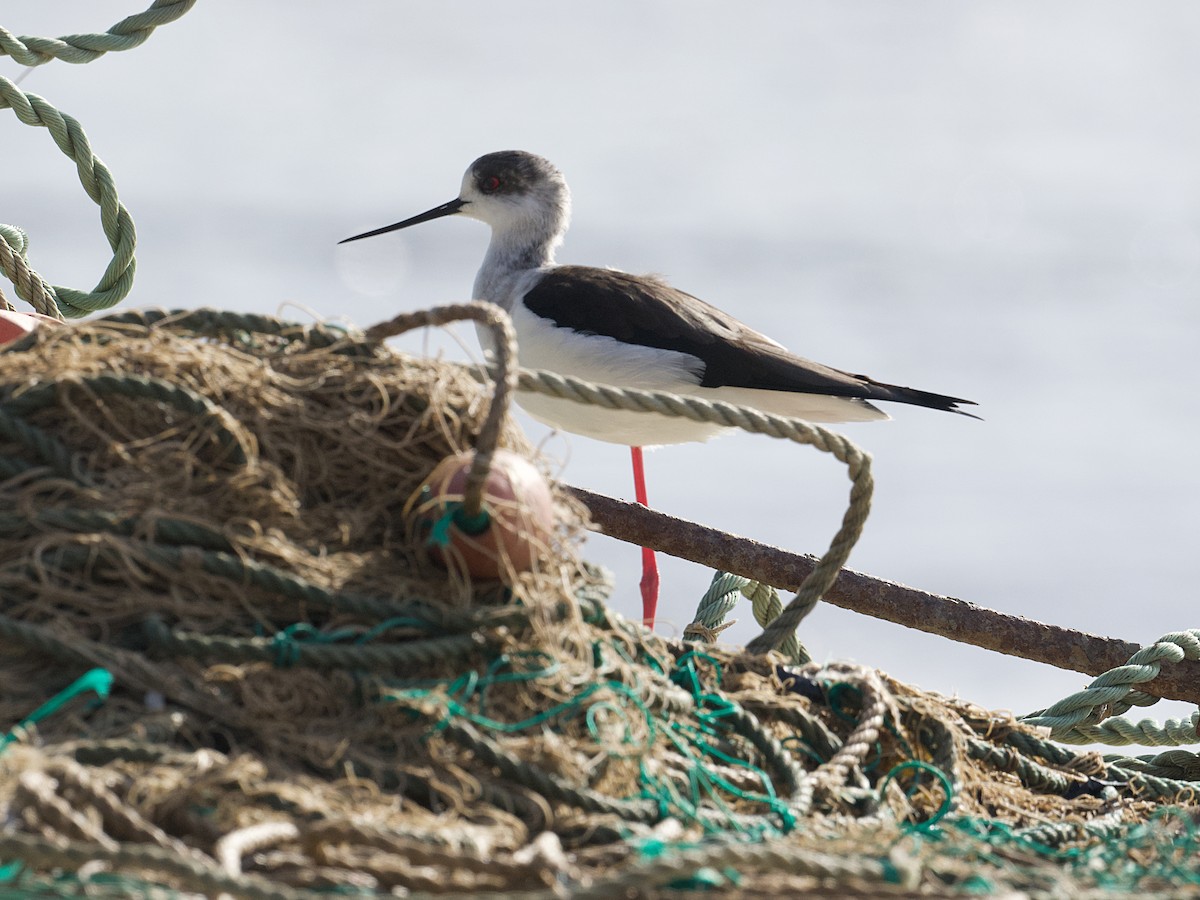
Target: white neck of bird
{"type": "Point", "coordinates": [527, 244]}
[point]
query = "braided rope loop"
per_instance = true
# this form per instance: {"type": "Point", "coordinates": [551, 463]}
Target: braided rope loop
{"type": "Point", "coordinates": [1084, 717]}
{"type": "Point", "coordinates": [504, 352]}
{"type": "Point", "coordinates": [115, 283]}
{"type": "Point", "coordinates": [68, 134]}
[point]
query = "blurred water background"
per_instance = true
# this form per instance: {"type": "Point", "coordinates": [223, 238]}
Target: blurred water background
{"type": "Point", "coordinates": [996, 201]}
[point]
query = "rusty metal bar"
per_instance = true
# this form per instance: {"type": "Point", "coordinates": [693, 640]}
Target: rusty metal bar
{"type": "Point", "coordinates": [1064, 648]}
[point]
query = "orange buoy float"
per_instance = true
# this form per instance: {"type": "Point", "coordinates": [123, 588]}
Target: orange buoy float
{"type": "Point", "coordinates": [513, 527]}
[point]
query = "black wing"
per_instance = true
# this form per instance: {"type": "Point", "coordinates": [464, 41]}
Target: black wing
{"type": "Point", "coordinates": [650, 313]}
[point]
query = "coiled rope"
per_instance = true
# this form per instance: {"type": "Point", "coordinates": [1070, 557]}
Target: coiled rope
{"type": "Point", "coordinates": [856, 460]}
{"type": "Point", "coordinates": [56, 300]}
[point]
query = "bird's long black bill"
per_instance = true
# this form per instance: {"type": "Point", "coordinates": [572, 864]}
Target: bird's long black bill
{"type": "Point", "coordinates": [446, 209]}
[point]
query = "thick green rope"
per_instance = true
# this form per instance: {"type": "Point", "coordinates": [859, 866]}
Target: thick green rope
{"type": "Point", "coordinates": [792, 778]}
{"type": "Point", "coordinates": [1032, 775]}
{"type": "Point", "coordinates": [1083, 717]}
{"type": "Point", "coordinates": [810, 733]}
{"type": "Point", "coordinates": [1181, 765]}
{"type": "Point", "coordinates": [130, 32]}
{"type": "Point", "coordinates": [1054, 834]}
{"type": "Point", "coordinates": [1144, 733]}
{"type": "Point", "coordinates": [1138, 783]}
{"type": "Point", "coordinates": [68, 134]}
{"type": "Point", "coordinates": [115, 283]}
{"type": "Point", "coordinates": [717, 603]}
{"type": "Point", "coordinates": [282, 650]}
{"type": "Point", "coordinates": [1144, 784]}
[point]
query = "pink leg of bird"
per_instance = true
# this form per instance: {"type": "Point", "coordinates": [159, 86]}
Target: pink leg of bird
{"type": "Point", "coordinates": [649, 582]}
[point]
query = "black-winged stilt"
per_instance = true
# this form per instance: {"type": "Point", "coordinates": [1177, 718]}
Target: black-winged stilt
{"type": "Point", "coordinates": [632, 331]}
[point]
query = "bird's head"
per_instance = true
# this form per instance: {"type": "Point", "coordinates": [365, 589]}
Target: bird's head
{"type": "Point", "coordinates": [514, 190]}
{"type": "Point", "coordinates": [520, 195]}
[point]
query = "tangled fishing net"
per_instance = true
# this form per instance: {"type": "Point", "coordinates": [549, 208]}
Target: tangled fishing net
{"type": "Point", "coordinates": [260, 684]}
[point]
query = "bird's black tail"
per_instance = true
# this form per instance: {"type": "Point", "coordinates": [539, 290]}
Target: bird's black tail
{"type": "Point", "coordinates": [914, 397]}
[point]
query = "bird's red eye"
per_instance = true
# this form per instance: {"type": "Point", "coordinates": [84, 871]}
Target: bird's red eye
{"type": "Point", "coordinates": [490, 185]}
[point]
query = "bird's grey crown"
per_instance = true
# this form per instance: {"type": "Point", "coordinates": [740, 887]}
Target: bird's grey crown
{"type": "Point", "coordinates": [517, 171]}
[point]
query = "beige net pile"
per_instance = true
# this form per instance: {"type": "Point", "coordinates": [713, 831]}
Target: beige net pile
{"type": "Point", "coordinates": [211, 508]}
